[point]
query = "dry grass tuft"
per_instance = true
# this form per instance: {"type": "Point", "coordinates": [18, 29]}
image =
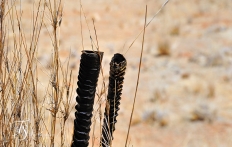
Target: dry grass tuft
{"type": "Point", "coordinates": [24, 117]}
{"type": "Point", "coordinates": [164, 48]}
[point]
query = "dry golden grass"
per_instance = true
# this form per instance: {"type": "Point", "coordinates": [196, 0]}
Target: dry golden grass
{"type": "Point", "coordinates": [28, 117]}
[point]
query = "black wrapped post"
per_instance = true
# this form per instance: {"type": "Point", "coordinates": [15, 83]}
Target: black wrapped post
{"type": "Point", "coordinates": [117, 72]}
{"type": "Point", "coordinates": [90, 65]}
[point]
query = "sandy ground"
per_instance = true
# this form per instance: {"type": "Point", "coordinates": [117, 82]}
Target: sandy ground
{"type": "Point", "coordinates": [184, 95]}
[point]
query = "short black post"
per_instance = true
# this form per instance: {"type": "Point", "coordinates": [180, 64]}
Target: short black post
{"type": "Point", "coordinates": [90, 66]}
{"type": "Point", "coordinates": [117, 72]}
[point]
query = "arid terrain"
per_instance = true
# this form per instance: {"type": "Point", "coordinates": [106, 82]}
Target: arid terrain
{"type": "Point", "coordinates": [184, 96]}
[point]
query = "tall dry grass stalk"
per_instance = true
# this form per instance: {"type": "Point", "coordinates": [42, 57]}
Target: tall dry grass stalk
{"type": "Point", "coordinates": [2, 35]}
{"type": "Point", "coordinates": [137, 84]}
{"type": "Point", "coordinates": [56, 18]}
{"type": "Point", "coordinates": [2, 41]}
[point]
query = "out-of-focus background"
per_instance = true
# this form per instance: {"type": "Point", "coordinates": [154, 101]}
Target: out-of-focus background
{"type": "Point", "coordinates": [184, 96]}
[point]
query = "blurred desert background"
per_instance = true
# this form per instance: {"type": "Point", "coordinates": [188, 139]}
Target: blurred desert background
{"type": "Point", "coordinates": [184, 95]}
